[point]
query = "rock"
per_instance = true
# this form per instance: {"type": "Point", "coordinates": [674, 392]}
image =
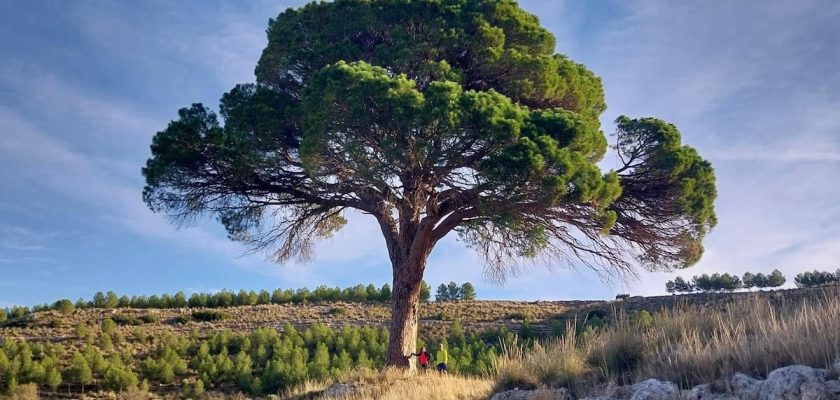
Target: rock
{"type": "Point", "coordinates": [795, 382]}
{"type": "Point", "coordinates": [538, 394]}
{"type": "Point", "coordinates": [653, 389]}
{"type": "Point", "coordinates": [745, 387]}
{"type": "Point", "coordinates": [707, 392]}
{"type": "Point", "coordinates": [338, 390]}
{"type": "Point", "coordinates": [832, 389]}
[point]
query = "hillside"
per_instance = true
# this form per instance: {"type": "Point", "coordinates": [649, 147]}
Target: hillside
{"type": "Point", "coordinates": [171, 351]}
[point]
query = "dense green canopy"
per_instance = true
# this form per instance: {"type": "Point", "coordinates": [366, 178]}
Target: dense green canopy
{"type": "Point", "coordinates": [454, 111]}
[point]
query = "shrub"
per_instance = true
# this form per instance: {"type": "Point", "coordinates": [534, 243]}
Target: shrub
{"type": "Point", "coordinates": [149, 318]}
{"type": "Point", "coordinates": [123, 320]}
{"type": "Point", "coordinates": [209, 315]}
{"type": "Point", "coordinates": [64, 306]}
{"type": "Point", "coordinates": [108, 325]}
{"type": "Point", "coordinates": [337, 311]}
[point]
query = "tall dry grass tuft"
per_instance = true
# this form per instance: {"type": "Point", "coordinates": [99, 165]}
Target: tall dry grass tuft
{"type": "Point", "coordinates": [689, 345]}
{"type": "Point", "coordinates": [557, 362]}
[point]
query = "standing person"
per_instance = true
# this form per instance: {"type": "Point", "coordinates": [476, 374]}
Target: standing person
{"type": "Point", "coordinates": [443, 357]}
{"type": "Point", "coordinates": [423, 357]}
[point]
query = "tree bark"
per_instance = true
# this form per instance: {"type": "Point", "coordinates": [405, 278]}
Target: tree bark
{"type": "Point", "coordinates": [405, 298]}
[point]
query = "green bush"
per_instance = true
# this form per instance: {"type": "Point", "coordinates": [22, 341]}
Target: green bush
{"type": "Point", "coordinates": [149, 318]}
{"type": "Point", "coordinates": [209, 315]}
{"type": "Point", "coordinates": [337, 311]}
{"type": "Point", "coordinates": [123, 320]}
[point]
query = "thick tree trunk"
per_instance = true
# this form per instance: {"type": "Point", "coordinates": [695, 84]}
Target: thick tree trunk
{"type": "Point", "coordinates": [405, 298]}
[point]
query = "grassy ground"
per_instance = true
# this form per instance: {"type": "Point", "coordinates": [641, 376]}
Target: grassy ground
{"type": "Point", "coordinates": [688, 345]}
{"type": "Point", "coordinates": [397, 385]}
{"type": "Point", "coordinates": [474, 315]}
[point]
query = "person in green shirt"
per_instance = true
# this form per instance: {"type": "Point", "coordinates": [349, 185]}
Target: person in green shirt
{"type": "Point", "coordinates": [443, 358]}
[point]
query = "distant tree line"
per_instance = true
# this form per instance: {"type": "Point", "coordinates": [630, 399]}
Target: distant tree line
{"type": "Point", "coordinates": [227, 298]}
{"type": "Point", "coordinates": [725, 282]}
{"type": "Point", "coordinates": [817, 278]}
{"type": "Point", "coordinates": [453, 292]}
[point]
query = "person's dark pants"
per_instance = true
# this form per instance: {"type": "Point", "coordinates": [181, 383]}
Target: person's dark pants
{"type": "Point", "coordinates": [442, 367]}
{"type": "Point", "coordinates": [424, 366]}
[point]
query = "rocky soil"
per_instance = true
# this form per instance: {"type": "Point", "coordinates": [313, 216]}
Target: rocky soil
{"type": "Point", "coordinates": [796, 382]}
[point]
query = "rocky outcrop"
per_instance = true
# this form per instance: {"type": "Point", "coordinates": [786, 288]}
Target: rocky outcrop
{"type": "Point", "coordinates": [651, 389]}
{"type": "Point", "coordinates": [794, 382]}
{"type": "Point", "coordinates": [339, 390]}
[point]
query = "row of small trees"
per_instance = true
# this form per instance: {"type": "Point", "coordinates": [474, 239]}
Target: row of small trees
{"type": "Point", "coordinates": [261, 362]}
{"type": "Point", "coordinates": [725, 282]}
{"type": "Point", "coordinates": [453, 292]}
{"type": "Point", "coordinates": [227, 298]}
{"type": "Point", "coordinates": [817, 278]}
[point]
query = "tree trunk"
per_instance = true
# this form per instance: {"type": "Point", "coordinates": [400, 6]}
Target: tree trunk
{"type": "Point", "coordinates": [405, 298]}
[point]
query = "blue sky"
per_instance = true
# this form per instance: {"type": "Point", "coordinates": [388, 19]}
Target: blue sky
{"type": "Point", "coordinates": [84, 85]}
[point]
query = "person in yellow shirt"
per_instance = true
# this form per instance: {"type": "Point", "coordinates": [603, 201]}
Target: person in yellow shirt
{"type": "Point", "coordinates": [443, 358]}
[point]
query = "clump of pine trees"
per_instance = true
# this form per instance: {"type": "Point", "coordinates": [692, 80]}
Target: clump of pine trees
{"type": "Point", "coordinates": [454, 292]}
{"type": "Point", "coordinates": [725, 282]}
{"type": "Point", "coordinates": [817, 278]}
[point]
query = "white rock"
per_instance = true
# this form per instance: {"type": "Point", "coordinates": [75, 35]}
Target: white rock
{"type": "Point", "coordinates": [745, 387]}
{"type": "Point", "coordinates": [338, 390]}
{"type": "Point", "coordinates": [653, 389]}
{"type": "Point", "coordinates": [832, 389]}
{"type": "Point", "coordinates": [706, 392]}
{"type": "Point", "coordinates": [796, 382]}
{"type": "Point", "coordinates": [538, 394]}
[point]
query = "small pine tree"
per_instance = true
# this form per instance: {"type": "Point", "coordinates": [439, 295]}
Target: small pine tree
{"type": "Point", "coordinates": [776, 279]}
{"type": "Point", "coordinates": [108, 326]}
{"type": "Point", "coordinates": [99, 300]}
{"type": "Point", "coordinates": [385, 292]}
{"type": "Point", "coordinates": [454, 291]}
{"type": "Point", "coordinates": [425, 291]}
{"type": "Point", "coordinates": [52, 377]}
{"type": "Point", "coordinates": [467, 291]}
{"type": "Point", "coordinates": [256, 387]}
{"type": "Point", "coordinates": [320, 363]}
{"type": "Point", "coordinates": [198, 388]}
{"type": "Point", "coordinates": [79, 371]}
{"type": "Point", "coordinates": [64, 306]}
{"type": "Point", "coordinates": [442, 293]}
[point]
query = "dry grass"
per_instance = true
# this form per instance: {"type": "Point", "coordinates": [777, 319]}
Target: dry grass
{"type": "Point", "coordinates": [557, 362]}
{"type": "Point", "coordinates": [23, 392]}
{"type": "Point", "coordinates": [393, 384]}
{"type": "Point", "coordinates": [753, 336]}
{"type": "Point", "coordinates": [435, 317]}
{"type": "Point", "coordinates": [689, 345]}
